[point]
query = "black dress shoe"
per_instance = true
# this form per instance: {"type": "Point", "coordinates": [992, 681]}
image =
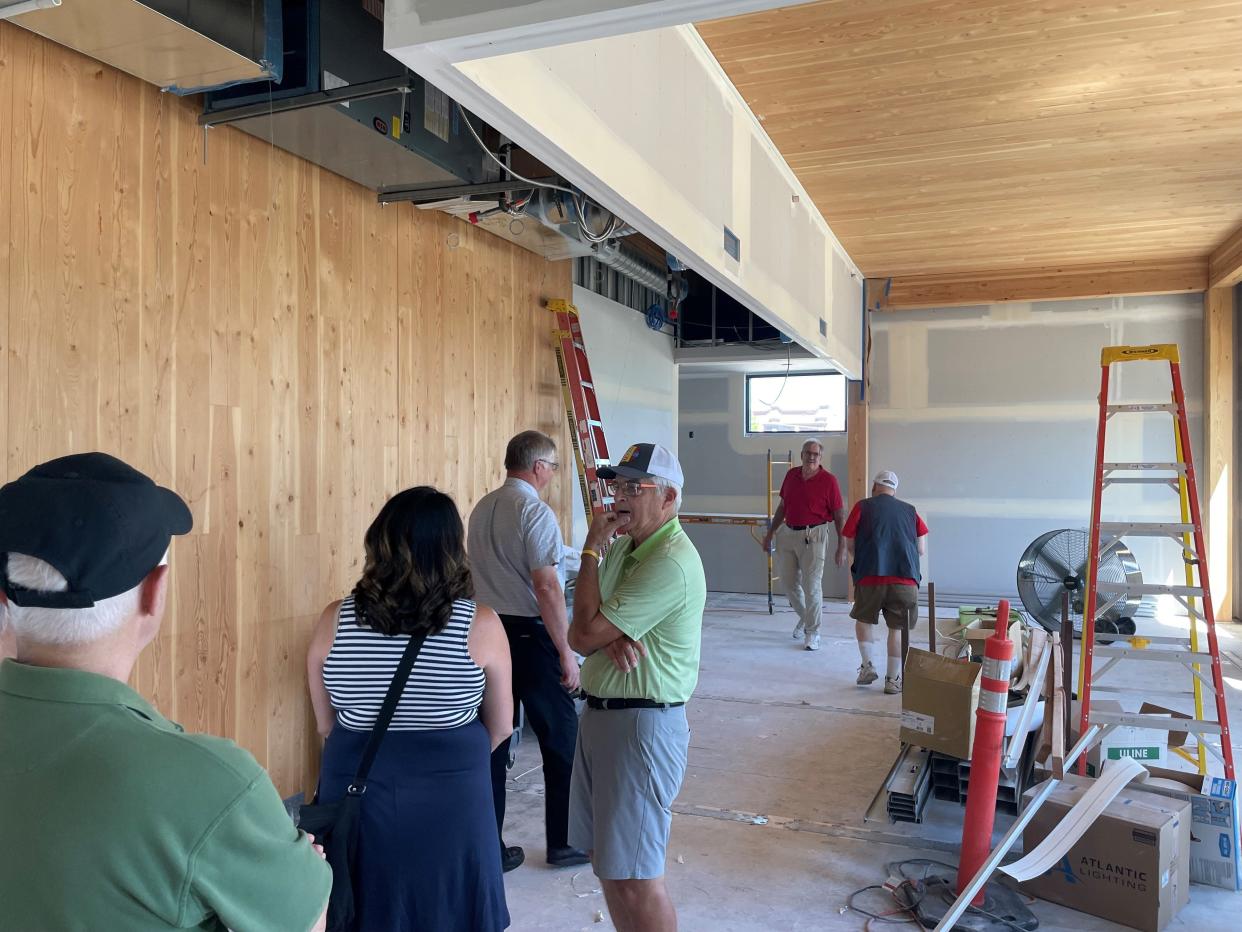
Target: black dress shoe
{"type": "Point", "coordinates": [567, 857]}
{"type": "Point", "coordinates": [511, 858]}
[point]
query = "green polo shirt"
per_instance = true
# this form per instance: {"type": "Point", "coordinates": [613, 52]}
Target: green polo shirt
{"type": "Point", "coordinates": [112, 817]}
{"type": "Point", "coordinates": [655, 593]}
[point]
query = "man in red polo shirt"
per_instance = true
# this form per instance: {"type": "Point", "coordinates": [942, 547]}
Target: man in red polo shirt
{"type": "Point", "coordinates": [810, 498]}
{"type": "Point", "coordinates": [886, 537]}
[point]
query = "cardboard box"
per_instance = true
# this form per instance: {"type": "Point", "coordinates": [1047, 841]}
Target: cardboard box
{"type": "Point", "coordinates": [1131, 866]}
{"type": "Point", "coordinates": [1214, 824]}
{"type": "Point", "coordinates": [1148, 746]}
{"type": "Point", "coordinates": [939, 697]}
{"type": "Point", "coordinates": [978, 624]}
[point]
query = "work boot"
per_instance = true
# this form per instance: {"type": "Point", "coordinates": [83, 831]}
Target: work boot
{"type": "Point", "coordinates": [567, 857]}
{"type": "Point", "coordinates": [867, 674]}
{"type": "Point", "coordinates": [812, 641]}
{"type": "Point", "coordinates": [892, 685]}
{"type": "Point", "coordinates": [511, 858]}
{"type": "Point", "coordinates": [799, 630]}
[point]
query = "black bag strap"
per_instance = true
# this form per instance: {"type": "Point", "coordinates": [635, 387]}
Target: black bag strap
{"type": "Point", "coordinates": [359, 784]}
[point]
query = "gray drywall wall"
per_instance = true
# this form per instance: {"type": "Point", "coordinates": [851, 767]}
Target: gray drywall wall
{"type": "Point", "coordinates": [988, 415]}
{"type": "Point", "coordinates": [726, 473]}
{"type": "Point", "coordinates": [635, 380]}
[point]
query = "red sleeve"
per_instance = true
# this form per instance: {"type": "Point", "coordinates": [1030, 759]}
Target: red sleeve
{"type": "Point", "coordinates": [835, 501]}
{"type": "Point", "coordinates": [920, 526]}
{"type": "Point", "coordinates": [851, 523]}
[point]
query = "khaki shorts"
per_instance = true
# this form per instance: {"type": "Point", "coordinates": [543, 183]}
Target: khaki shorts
{"type": "Point", "coordinates": [900, 605]}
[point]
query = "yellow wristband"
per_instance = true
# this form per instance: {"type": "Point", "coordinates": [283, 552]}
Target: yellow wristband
{"type": "Point", "coordinates": [591, 553]}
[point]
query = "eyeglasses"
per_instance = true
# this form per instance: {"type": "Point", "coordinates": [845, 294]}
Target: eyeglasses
{"type": "Point", "coordinates": [630, 487]}
{"type": "Point", "coordinates": [551, 464]}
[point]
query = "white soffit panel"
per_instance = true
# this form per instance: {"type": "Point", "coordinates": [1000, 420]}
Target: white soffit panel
{"type": "Point", "coordinates": [460, 30]}
{"type": "Point", "coordinates": [650, 126]}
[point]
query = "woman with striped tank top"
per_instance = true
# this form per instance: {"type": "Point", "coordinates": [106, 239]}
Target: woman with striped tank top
{"type": "Point", "coordinates": [427, 857]}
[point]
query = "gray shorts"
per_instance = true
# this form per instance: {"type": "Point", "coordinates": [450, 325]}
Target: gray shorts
{"type": "Point", "coordinates": [628, 768]}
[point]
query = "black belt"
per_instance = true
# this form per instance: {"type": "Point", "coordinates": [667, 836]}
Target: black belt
{"type": "Point", "coordinates": [805, 527]}
{"type": "Point", "coordinates": [521, 619]}
{"type": "Point", "coordinates": [594, 702]}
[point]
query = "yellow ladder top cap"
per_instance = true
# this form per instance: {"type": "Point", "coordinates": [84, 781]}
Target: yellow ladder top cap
{"type": "Point", "coordinates": [1165, 351]}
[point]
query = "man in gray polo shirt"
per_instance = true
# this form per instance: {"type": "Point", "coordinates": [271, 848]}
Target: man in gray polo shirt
{"type": "Point", "coordinates": [515, 547]}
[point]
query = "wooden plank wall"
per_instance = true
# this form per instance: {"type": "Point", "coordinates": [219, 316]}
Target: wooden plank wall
{"type": "Point", "coordinates": [262, 336]}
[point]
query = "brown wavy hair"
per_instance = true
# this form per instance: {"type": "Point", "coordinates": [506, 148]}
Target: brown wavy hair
{"type": "Point", "coordinates": [416, 564]}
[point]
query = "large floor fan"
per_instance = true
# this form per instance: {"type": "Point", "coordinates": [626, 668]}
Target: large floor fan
{"type": "Point", "coordinates": [1056, 563]}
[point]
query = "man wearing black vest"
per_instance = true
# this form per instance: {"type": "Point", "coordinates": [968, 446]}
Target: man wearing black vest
{"type": "Point", "coordinates": [886, 537]}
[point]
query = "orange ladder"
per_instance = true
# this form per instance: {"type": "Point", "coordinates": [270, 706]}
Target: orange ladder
{"type": "Point", "coordinates": [586, 430]}
{"type": "Point", "coordinates": [1179, 476]}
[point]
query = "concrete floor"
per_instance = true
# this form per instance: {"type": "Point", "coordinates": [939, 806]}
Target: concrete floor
{"type": "Point", "coordinates": [782, 734]}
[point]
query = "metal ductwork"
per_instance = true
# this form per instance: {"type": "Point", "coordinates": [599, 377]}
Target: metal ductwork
{"type": "Point", "coordinates": [614, 255]}
{"type": "Point", "coordinates": [545, 223]}
{"type": "Point", "coordinates": [347, 105]}
{"type": "Point", "coordinates": [179, 45]}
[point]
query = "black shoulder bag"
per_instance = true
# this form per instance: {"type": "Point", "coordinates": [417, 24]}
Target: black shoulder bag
{"type": "Point", "coordinates": [335, 825]}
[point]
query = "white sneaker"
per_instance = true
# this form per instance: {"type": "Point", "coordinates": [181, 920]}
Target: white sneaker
{"type": "Point", "coordinates": [799, 630]}
{"type": "Point", "coordinates": [892, 685]}
{"type": "Point", "coordinates": [812, 642]}
{"type": "Point", "coordinates": [867, 674]}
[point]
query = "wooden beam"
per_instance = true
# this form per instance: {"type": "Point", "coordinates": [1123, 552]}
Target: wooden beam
{"type": "Point", "coordinates": [1046, 284]}
{"type": "Point", "coordinates": [857, 428]}
{"type": "Point", "coordinates": [1225, 264]}
{"type": "Point", "coordinates": [858, 477]}
{"type": "Point", "coordinates": [1216, 487]}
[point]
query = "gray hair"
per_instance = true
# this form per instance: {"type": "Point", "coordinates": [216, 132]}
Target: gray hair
{"type": "Point", "coordinates": [525, 448]}
{"type": "Point", "coordinates": [813, 440]}
{"type": "Point", "coordinates": [63, 626]}
{"type": "Point", "coordinates": [662, 485]}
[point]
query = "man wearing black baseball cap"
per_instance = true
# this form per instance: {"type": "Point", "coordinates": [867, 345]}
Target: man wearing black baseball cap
{"type": "Point", "coordinates": [638, 616]}
{"type": "Point", "coordinates": [114, 817]}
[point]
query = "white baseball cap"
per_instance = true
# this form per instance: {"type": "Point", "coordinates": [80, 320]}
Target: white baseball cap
{"type": "Point", "coordinates": [886, 478]}
{"type": "Point", "coordinates": [646, 461]}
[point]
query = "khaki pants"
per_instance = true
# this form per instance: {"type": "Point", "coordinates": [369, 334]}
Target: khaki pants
{"type": "Point", "coordinates": [800, 562]}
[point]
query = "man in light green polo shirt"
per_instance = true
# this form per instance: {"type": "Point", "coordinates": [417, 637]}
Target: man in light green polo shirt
{"type": "Point", "coordinates": [638, 617]}
{"type": "Point", "coordinates": [112, 816]}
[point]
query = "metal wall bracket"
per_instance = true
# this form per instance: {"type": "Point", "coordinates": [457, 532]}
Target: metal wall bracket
{"type": "Point", "coordinates": [338, 95]}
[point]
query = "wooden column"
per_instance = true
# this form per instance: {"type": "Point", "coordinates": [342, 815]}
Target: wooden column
{"type": "Point", "coordinates": [859, 478]}
{"type": "Point", "coordinates": [1217, 479]}
{"type": "Point", "coordinates": [857, 421]}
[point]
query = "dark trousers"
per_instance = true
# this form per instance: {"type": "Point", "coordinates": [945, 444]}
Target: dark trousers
{"type": "Point", "coordinates": [550, 710]}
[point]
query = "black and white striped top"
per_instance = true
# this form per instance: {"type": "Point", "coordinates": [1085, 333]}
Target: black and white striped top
{"type": "Point", "coordinates": [444, 689]}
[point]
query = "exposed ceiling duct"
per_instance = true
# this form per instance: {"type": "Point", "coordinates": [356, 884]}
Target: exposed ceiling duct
{"type": "Point", "coordinates": [347, 105]}
{"type": "Point", "coordinates": [179, 45]}
{"type": "Point", "coordinates": [616, 256]}
{"type": "Point", "coordinates": [547, 224]}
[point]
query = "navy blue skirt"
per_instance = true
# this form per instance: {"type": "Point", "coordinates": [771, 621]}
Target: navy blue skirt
{"type": "Point", "coordinates": [429, 857]}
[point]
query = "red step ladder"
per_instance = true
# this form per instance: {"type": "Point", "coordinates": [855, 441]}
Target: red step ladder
{"type": "Point", "coordinates": [586, 430]}
{"type": "Point", "coordinates": [1162, 652]}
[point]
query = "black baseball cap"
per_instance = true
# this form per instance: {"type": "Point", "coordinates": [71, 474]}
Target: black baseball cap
{"type": "Point", "coordinates": [100, 522]}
